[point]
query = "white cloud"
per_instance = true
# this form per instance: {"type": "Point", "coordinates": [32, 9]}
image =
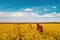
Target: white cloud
{"type": "Point", "coordinates": [29, 16]}
{"type": "Point", "coordinates": [17, 14]}
{"type": "Point", "coordinates": [53, 14]}
{"type": "Point", "coordinates": [28, 10]}
{"type": "Point", "coordinates": [58, 14]}
{"type": "Point", "coordinates": [48, 15]}
{"type": "Point", "coordinates": [1, 13]}
{"type": "Point", "coordinates": [25, 14]}
{"type": "Point", "coordinates": [5, 14]}
{"type": "Point", "coordinates": [54, 7]}
{"type": "Point", "coordinates": [35, 15]}
{"type": "Point", "coordinates": [46, 9]}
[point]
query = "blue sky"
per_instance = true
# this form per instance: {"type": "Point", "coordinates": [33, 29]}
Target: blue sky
{"type": "Point", "coordinates": [29, 8]}
{"type": "Point", "coordinates": [14, 5]}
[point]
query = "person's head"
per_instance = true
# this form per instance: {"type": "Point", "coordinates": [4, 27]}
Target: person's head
{"type": "Point", "coordinates": [37, 24]}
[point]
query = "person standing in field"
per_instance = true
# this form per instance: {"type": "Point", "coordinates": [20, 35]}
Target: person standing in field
{"type": "Point", "coordinates": [39, 28]}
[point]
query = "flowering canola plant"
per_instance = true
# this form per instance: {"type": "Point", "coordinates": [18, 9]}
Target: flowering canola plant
{"type": "Point", "coordinates": [29, 32]}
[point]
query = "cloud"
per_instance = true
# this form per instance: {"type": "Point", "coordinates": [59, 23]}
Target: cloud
{"type": "Point", "coordinates": [28, 15]}
{"type": "Point", "coordinates": [33, 14]}
{"type": "Point", "coordinates": [47, 15]}
{"type": "Point", "coordinates": [28, 10]}
{"type": "Point", "coordinates": [58, 15]}
{"type": "Point", "coordinates": [1, 13]}
{"type": "Point", "coordinates": [5, 14]}
{"type": "Point", "coordinates": [54, 7]}
{"type": "Point", "coordinates": [46, 9]}
{"type": "Point", "coordinates": [17, 14]}
{"type": "Point", "coordinates": [25, 14]}
{"type": "Point", "coordinates": [53, 14]}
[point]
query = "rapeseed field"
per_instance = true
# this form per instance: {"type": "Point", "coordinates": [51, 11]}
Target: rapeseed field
{"type": "Point", "coordinates": [29, 32]}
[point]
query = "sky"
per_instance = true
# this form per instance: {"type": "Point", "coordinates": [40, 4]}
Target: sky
{"type": "Point", "coordinates": [30, 10]}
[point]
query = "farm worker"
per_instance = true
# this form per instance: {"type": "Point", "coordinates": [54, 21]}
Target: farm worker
{"type": "Point", "coordinates": [39, 28]}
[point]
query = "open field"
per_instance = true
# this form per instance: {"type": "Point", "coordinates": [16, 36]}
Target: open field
{"type": "Point", "coordinates": [28, 31]}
